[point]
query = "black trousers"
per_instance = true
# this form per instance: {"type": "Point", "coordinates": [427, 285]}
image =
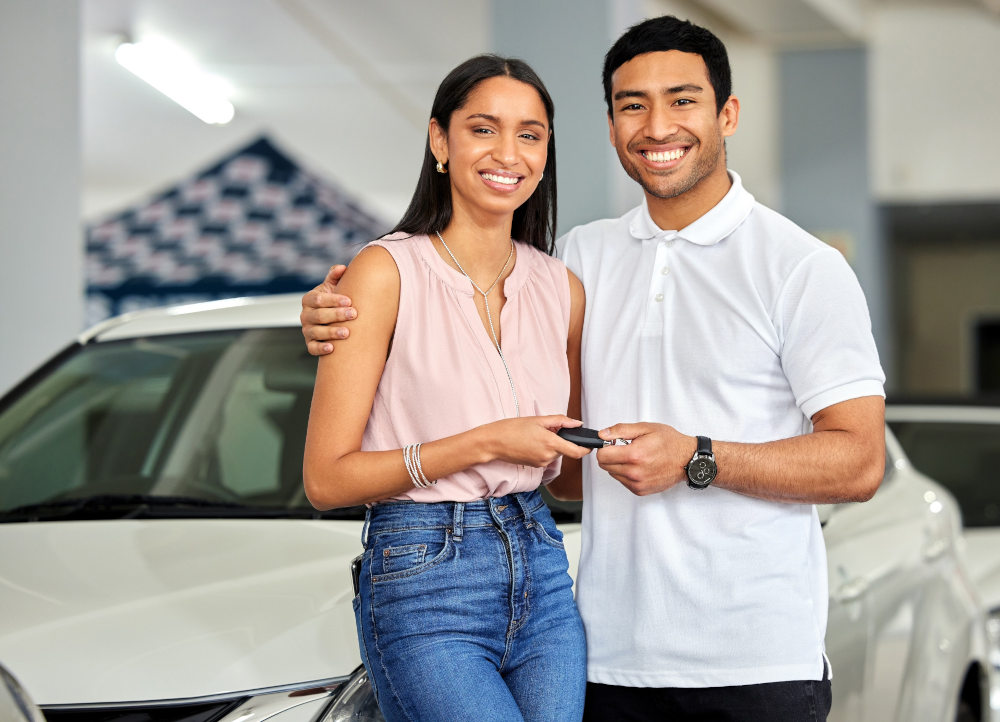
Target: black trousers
{"type": "Point", "coordinates": [797, 701]}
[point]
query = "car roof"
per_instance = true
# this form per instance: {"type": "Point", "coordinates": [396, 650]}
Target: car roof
{"type": "Point", "coordinates": [250, 312]}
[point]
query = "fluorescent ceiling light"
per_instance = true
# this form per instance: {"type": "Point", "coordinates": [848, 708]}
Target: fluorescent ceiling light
{"type": "Point", "coordinates": [176, 75]}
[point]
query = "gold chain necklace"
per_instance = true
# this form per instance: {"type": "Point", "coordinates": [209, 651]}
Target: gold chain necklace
{"type": "Point", "coordinates": [489, 316]}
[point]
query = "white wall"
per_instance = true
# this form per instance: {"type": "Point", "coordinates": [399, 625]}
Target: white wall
{"type": "Point", "coordinates": [41, 247]}
{"type": "Point", "coordinates": [935, 102]}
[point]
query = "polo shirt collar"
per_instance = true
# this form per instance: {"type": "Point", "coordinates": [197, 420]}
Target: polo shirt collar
{"type": "Point", "coordinates": [724, 218]}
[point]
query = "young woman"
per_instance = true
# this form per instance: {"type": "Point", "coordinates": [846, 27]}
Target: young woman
{"type": "Point", "coordinates": [440, 412]}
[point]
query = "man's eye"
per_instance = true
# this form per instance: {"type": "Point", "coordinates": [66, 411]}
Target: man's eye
{"type": "Point", "coordinates": [683, 101]}
{"type": "Point", "coordinates": [633, 106]}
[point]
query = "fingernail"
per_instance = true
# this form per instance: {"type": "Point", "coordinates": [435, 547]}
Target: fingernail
{"type": "Point", "coordinates": [328, 348]}
{"type": "Point", "coordinates": [345, 302]}
{"type": "Point", "coordinates": [341, 334]}
{"type": "Point", "coordinates": [351, 313]}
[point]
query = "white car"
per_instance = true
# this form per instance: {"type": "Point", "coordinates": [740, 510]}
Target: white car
{"type": "Point", "coordinates": [159, 560]}
{"type": "Point", "coordinates": [16, 704]}
{"type": "Point", "coordinates": [958, 444]}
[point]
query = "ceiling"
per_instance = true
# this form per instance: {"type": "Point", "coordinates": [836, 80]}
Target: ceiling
{"type": "Point", "coordinates": [342, 86]}
{"type": "Point", "coordinates": [336, 84]}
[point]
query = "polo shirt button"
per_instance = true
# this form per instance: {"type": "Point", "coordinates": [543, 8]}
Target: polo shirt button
{"type": "Point", "coordinates": [665, 270]}
{"type": "Point", "coordinates": [658, 297]}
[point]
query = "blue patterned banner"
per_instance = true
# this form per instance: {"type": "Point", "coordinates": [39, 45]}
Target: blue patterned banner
{"type": "Point", "coordinates": [254, 223]}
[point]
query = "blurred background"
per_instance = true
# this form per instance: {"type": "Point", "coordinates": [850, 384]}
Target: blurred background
{"type": "Point", "coordinates": [871, 123]}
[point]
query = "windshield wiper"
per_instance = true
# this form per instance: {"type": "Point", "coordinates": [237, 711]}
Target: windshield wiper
{"type": "Point", "coordinates": [150, 506]}
{"type": "Point", "coordinates": [119, 506]}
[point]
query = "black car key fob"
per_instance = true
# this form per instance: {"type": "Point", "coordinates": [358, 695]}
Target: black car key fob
{"type": "Point", "coordinates": [582, 436]}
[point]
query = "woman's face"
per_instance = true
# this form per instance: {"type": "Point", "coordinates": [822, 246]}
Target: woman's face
{"type": "Point", "coordinates": [495, 148]}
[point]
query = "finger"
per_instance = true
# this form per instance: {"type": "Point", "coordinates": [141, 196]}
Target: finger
{"type": "Point", "coordinates": [326, 316]}
{"type": "Point", "coordinates": [323, 334]}
{"type": "Point", "coordinates": [613, 455]}
{"type": "Point", "coordinates": [621, 431]}
{"type": "Point", "coordinates": [328, 299]}
{"type": "Point", "coordinates": [334, 274]}
{"type": "Point", "coordinates": [568, 448]}
{"type": "Point", "coordinates": [319, 348]}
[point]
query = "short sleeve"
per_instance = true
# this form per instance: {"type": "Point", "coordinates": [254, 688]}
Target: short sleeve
{"type": "Point", "coordinates": [828, 353]}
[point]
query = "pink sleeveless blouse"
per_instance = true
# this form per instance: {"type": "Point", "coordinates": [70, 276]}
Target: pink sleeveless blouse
{"type": "Point", "coordinates": [444, 375]}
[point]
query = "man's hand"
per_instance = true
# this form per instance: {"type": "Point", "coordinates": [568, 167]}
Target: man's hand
{"type": "Point", "coordinates": [653, 462]}
{"type": "Point", "coordinates": [321, 307]}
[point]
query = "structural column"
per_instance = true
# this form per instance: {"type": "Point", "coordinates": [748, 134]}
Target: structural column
{"type": "Point", "coordinates": [41, 246]}
{"type": "Point", "coordinates": [825, 176]}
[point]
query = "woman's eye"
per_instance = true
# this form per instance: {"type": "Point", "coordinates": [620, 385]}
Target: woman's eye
{"type": "Point", "coordinates": [529, 136]}
{"type": "Point", "coordinates": [482, 131]}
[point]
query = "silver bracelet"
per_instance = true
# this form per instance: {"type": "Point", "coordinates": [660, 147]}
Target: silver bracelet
{"type": "Point", "coordinates": [411, 458]}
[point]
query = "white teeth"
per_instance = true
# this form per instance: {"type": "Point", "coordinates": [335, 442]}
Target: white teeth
{"type": "Point", "coordinates": [664, 157]}
{"type": "Point", "coordinates": [506, 180]}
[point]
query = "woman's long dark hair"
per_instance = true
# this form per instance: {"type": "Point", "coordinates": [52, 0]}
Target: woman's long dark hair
{"type": "Point", "coordinates": [430, 208]}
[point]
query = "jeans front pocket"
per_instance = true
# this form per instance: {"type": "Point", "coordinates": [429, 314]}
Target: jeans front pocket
{"type": "Point", "coordinates": [547, 529]}
{"type": "Point", "coordinates": [407, 553]}
{"type": "Point", "coordinates": [395, 559]}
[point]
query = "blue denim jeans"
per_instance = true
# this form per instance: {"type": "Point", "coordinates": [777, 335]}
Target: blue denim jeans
{"type": "Point", "coordinates": [466, 612]}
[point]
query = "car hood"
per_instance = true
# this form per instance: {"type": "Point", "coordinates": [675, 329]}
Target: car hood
{"type": "Point", "coordinates": [982, 550]}
{"type": "Point", "coordinates": [116, 611]}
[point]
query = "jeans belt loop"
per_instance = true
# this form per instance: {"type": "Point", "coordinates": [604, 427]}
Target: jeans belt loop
{"type": "Point", "coordinates": [529, 520]}
{"type": "Point", "coordinates": [364, 529]}
{"type": "Point", "coordinates": [456, 520]}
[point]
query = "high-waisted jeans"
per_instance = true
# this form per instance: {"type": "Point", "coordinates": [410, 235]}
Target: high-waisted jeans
{"type": "Point", "coordinates": [466, 612]}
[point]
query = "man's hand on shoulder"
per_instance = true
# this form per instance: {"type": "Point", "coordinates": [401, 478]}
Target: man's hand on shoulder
{"type": "Point", "coordinates": [652, 463]}
{"type": "Point", "coordinates": [321, 307]}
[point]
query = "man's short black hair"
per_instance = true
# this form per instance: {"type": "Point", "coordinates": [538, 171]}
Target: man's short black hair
{"type": "Point", "coordinates": [670, 33]}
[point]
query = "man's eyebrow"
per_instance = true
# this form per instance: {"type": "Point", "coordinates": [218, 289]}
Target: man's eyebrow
{"type": "Point", "coordinates": [675, 90]}
{"type": "Point", "coordinates": [496, 120]}
{"type": "Point", "coordinates": [686, 88]}
{"type": "Point", "coordinates": [622, 94]}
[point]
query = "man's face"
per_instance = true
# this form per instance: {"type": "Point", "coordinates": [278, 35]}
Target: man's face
{"type": "Point", "coordinates": [664, 123]}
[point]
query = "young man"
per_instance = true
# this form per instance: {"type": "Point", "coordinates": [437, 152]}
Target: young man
{"type": "Point", "coordinates": [744, 344]}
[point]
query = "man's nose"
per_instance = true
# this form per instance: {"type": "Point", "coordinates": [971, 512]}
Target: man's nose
{"type": "Point", "coordinates": [660, 123]}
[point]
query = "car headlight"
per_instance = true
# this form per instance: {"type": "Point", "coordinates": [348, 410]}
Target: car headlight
{"type": "Point", "coordinates": [354, 702]}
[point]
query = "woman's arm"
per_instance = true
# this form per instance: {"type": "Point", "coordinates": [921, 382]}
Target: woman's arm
{"type": "Point", "coordinates": [569, 484]}
{"type": "Point", "coordinates": [335, 471]}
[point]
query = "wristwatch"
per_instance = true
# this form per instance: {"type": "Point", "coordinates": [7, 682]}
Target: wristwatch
{"type": "Point", "coordinates": [701, 470]}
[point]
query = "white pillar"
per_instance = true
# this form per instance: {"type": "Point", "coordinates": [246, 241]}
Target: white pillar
{"type": "Point", "coordinates": [41, 246]}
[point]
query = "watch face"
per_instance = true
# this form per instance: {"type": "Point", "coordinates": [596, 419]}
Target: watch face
{"type": "Point", "coordinates": [701, 471]}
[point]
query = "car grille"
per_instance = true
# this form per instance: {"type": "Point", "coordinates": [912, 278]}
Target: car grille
{"type": "Point", "coordinates": [191, 712]}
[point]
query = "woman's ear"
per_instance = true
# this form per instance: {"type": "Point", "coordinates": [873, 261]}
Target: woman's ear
{"type": "Point", "coordinates": [438, 140]}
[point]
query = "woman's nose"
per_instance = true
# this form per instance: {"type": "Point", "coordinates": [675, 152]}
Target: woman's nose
{"type": "Point", "coordinates": [505, 150]}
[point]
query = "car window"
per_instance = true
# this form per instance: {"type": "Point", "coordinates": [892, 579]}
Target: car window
{"type": "Point", "coordinates": [964, 457]}
{"type": "Point", "coordinates": [216, 417]}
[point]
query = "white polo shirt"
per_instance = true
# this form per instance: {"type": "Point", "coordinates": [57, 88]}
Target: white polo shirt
{"type": "Point", "coordinates": [739, 327]}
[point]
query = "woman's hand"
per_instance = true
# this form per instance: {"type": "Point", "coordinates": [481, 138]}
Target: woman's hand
{"type": "Point", "coordinates": [531, 440]}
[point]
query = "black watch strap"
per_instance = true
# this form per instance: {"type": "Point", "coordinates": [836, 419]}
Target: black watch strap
{"type": "Point", "coordinates": [701, 470]}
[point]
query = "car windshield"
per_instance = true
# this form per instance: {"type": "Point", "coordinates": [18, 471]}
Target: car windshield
{"type": "Point", "coordinates": [187, 425]}
{"type": "Point", "coordinates": [964, 457]}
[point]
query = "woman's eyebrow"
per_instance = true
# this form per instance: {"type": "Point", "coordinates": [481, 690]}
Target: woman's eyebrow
{"type": "Point", "coordinates": [495, 119]}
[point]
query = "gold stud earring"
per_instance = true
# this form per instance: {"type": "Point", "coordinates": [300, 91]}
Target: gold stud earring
{"type": "Point", "coordinates": [441, 168]}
